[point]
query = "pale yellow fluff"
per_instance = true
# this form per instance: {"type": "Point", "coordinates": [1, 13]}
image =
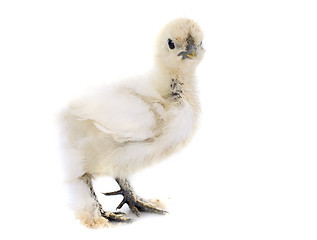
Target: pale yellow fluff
{"type": "Point", "coordinates": [125, 127]}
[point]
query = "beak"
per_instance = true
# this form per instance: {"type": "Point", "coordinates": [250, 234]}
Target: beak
{"type": "Point", "coordinates": [191, 52]}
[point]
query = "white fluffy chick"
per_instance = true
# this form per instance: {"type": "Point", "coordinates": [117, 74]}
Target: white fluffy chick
{"type": "Point", "coordinates": [122, 128]}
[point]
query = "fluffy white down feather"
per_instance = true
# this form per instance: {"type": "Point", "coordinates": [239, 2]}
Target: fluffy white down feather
{"type": "Point", "coordinates": [115, 132]}
{"type": "Point", "coordinates": [122, 128]}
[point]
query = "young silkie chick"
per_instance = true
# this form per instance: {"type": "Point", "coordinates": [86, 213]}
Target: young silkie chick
{"type": "Point", "coordinates": [122, 128]}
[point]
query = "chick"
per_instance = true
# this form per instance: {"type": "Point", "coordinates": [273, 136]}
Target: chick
{"type": "Point", "coordinates": [122, 128]}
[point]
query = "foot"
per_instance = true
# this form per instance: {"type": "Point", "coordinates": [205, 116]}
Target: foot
{"type": "Point", "coordinates": [116, 216]}
{"type": "Point", "coordinates": [135, 203]}
{"type": "Point", "coordinates": [94, 217]}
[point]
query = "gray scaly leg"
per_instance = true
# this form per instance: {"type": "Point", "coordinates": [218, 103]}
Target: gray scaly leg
{"type": "Point", "coordinates": [111, 216]}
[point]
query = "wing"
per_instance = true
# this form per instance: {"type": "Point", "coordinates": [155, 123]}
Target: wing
{"type": "Point", "coordinates": [120, 113]}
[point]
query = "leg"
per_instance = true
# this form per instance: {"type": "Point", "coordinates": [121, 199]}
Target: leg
{"type": "Point", "coordinates": [135, 203]}
{"type": "Point", "coordinates": [111, 216]}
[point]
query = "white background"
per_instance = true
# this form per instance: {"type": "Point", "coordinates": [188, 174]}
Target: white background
{"type": "Point", "coordinates": [250, 171]}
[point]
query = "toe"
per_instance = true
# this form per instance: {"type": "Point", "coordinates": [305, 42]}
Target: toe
{"type": "Point", "coordinates": [149, 207]}
{"type": "Point", "coordinates": [134, 209]}
{"type": "Point", "coordinates": [118, 217]}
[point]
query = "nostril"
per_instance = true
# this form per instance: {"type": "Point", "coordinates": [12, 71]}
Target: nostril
{"type": "Point", "coordinates": [191, 47]}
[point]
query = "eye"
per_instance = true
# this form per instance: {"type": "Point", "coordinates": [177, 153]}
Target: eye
{"type": "Point", "coordinates": [171, 45]}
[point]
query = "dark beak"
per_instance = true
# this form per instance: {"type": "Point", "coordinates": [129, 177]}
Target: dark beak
{"type": "Point", "coordinates": [191, 52]}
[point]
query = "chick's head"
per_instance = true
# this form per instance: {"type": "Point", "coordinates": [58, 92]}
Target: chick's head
{"type": "Point", "coordinates": [179, 45]}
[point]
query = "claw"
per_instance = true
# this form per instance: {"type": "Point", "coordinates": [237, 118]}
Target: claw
{"type": "Point", "coordinates": [122, 203]}
{"type": "Point", "coordinates": [119, 192]}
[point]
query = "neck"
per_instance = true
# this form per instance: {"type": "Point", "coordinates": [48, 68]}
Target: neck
{"type": "Point", "coordinates": [164, 76]}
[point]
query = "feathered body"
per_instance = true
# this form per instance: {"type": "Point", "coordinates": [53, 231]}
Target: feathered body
{"type": "Point", "coordinates": [127, 129]}
{"type": "Point", "coordinates": [122, 128]}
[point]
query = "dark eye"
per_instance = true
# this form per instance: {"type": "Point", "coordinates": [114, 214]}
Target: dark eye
{"type": "Point", "coordinates": [171, 45]}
